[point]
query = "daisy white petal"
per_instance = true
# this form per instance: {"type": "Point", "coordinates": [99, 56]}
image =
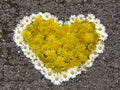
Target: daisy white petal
{"type": "Point", "coordinates": [18, 39]}
{"type": "Point", "coordinates": [78, 71]}
{"type": "Point", "coordinates": [72, 72]}
{"type": "Point", "coordinates": [25, 47]}
{"type": "Point", "coordinates": [28, 53]}
{"type": "Point", "coordinates": [99, 48]}
{"type": "Point", "coordinates": [46, 16]}
{"type": "Point", "coordinates": [18, 30]}
{"type": "Point", "coordinates": [60, 22]}
{"type": "Point", "coordinates": [33, 16]}
{"type": "Point", "coordinates": [93, 56]}
{"type": "Point", "coordinates": [100, 28]}
{"type": "Point", "coordinates": [65, 76]}
{"type": "Point", "coordinates": [67, 22]}
{"type": "Point", "coordinates": [101, 42]}
{"type": "Point", "coordinates": [103, 36]}
{"type": "Point", "coordinates": [49, 74]}
{"type": "Point", "coordinates": [23, 23]}
{"type": "Point", "coordinates": [38, 65]}
{"type": "Point", "coordinates": [96, 21]}
{"type": "Point", "coordinates": [40, 14]}
{"type": "Point", "coordinates": [81, 17]}
{"type": "Point", "coordinates": [54, 18]}
{"type": "Point", "coordinates": [72, 18]}
{"type": "Point", "coordinates": [27, 20]}
{"type": "Point", "coordinates": [35, 60]}
{"type": "Point", "coordinates": [83, 67]}
{"type": "Point", "coordinates": [44, 70]}
{"type": "Point", "coordinates": [88, 63]}
{"type": "Point", "coordinates": [32, 55]}
{"type": "Point", "coordinates": [57, 79]}
{"type": "Point", "coordinates": [90, 17]}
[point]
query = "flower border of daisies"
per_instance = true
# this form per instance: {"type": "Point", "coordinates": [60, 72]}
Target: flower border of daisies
{"type": "Point", "coordinates": [58, 78]}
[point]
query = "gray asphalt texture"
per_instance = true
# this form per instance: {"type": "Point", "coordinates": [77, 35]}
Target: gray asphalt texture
{"type": "Point", "coordinates": [17, 73]}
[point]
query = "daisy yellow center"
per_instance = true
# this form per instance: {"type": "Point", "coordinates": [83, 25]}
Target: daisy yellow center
{"type": "Point", "coordinates": [65, 76]}
{"type": "Point", "coordinates": [61, 47]}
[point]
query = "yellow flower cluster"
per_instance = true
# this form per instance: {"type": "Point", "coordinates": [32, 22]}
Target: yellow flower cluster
{"type": "Point", "coordinates": [61, 47]}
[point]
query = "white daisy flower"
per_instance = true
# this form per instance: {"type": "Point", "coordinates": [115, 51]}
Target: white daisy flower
{"type": "Point", "coordinates": [88, 63]}
{"type": "Point", "coordinates": [81, 17]}
{"type": "Point", "coordinates": [100, 48]}
{"type": "Point", "coordinates": [33, 16]}
{"type": "Point", "coordinates": [72, 72]}
{"type": "Point", "coordinates": [46, 16]}
{"type": "Point", "coordinates": [28, 53]}
{"type": "Point", "coordinates": [93, 56]}
{"type": "Point", "coordinates": [57, 79]}
{"type": "Point", "coordinates": [35, 60]}
{"type": "Point", "coordinates": [60, 22]}
{"type": "Point", "coordinates": [72, 18]}
{"type": "Point", "coordinates": [103, 36]}
{"type": "Point", "coordinates": [96, 21]}
{"type": "Point", "coordinates": [54, 18]}
{"type": "Point", "coordinates": [23, 22]}
{"type": "Point", "coordinates": [65, 76]}
{"type": "Point", "coordinates": [78, 71]}
{"type": "Point", "coordinates": [49, 74]}
{"type": "Point", "coordinates": [44, 70]}
{"type": "Point", "coordinates": [101, 42]}
{"type": "Point", "coordinates": [33, 56]}
{"type": "Point", "coordinates": [18, 39]}
{"type": "Point", "coordinates": [40, 14]}
{"type": "Point", "coordinates": [83, 67]}
{"type": "Point", "coordinates": [25, 47]}
{"type": "Point", "coordinates": [18, 30]}
{"type": "Point", "coordinates": [38, 65]}
{"type": "Point", "coordinates": [90, 17]}
{"type": "Point", "coordinates": [27, 20]}
{"type": "Point", "coordinates": [67, 22]}
{"type": "Point", "coordinates": [100, 28]}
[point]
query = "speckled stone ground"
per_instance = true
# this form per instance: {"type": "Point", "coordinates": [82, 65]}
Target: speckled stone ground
{"type": "Point", "coordinates": [17, 73]}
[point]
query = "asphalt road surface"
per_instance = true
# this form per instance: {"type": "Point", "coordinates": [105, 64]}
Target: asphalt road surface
{"type": "Point", "coordinates": [17, 73]}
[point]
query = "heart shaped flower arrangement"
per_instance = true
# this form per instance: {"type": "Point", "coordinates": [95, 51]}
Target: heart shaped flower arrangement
{"type": "Point", "coordinates": [60, 50]}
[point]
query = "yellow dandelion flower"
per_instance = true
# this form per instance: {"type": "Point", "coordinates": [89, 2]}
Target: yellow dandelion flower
{"type": "Point", "coordinates": [49, 65]}
{"type": "Point", "coordinates": [29, 27]}
{"type": "Point", "coordinates": [50, 54]}
{"type": "Point", "coordinates": [45, 47]}
{"type": "Point", "coordinates": [61, 51]}
{"type": "Point", "coordinates": [67, 56]}
{"type": "Point", "coordinates": [88, 37]}
{"type": "Point", "coordinates": [26, 35]}
{"type": "Point", "coordinates": [59, 61]}
{"type": "Point", "coordinates": [75, 62]}
{"type": "Point", "coordinates": [91, 46]}
{"type": "Point", "coordinates": [67, 66]}
{"type": "Point", "coordinates": [51, 39]}
{"type": "Point", "coordinates": [55, 46]}
{"type": "Point", "coordinates": [86, 52]}
{"type": "Point", "coordinates": [65, 28]}
{"type": "Point", "coordinates": [37, 41]}
{"type": "Point", "coordinates": [80, 47]}
{"type": "Point", "coordinates": [38, 20]}
{"type": "Point", "coordinates": [82, 57]}
{"type": "Point", "coordinates": [59, 34]}
{"type": "Point", "coordinates": [35, 48]}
